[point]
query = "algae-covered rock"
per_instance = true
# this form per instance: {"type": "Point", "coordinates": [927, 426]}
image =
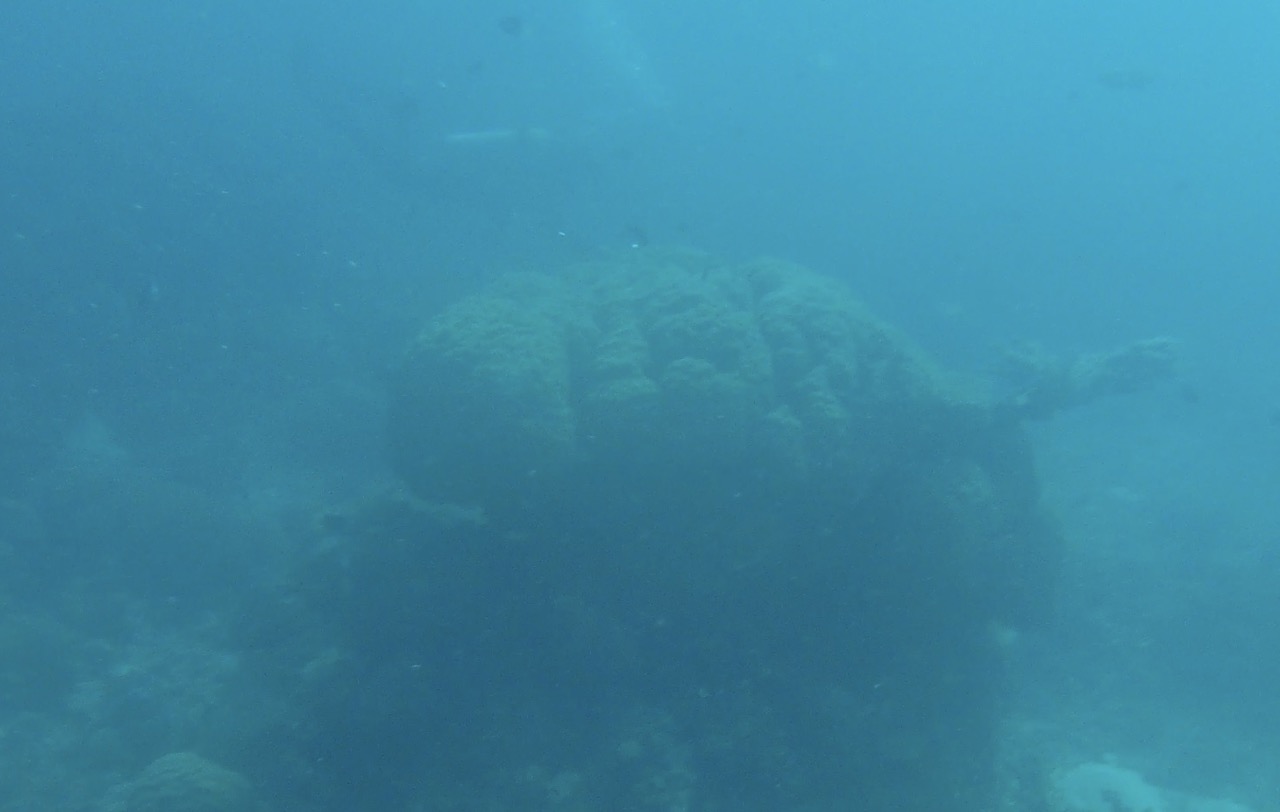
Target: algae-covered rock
{"type": "Point", "coordinates": [186, 782]}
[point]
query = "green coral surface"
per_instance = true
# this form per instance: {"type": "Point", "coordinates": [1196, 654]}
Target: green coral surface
{"type": "Point", "coordinates": [765, 375]}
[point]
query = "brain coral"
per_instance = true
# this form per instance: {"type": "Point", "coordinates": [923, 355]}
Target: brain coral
{"type": "Point", "coordinates": [760, 376]}
{"type": "Point", "coordinates": [186, 782]}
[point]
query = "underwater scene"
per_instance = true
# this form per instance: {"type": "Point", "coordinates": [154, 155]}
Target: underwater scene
{"type": "Point", "coordinates": [593, 405]}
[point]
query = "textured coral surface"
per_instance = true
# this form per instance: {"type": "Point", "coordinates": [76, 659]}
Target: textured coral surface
{"type": "Point", "coordinates": [186, 782]}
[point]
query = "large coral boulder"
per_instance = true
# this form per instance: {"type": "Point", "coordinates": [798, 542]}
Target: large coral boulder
{"type": "Point", "coordinates": [186, 782]}
{"type": "Point", "coordinates": [720, 492]}
{"type": "Point", "coordinates": [764, 376]}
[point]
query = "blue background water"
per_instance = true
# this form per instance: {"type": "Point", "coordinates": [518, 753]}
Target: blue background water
{"type": "Point", "coordinates": [220, 222]}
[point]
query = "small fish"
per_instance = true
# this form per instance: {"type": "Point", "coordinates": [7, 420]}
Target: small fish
{"type": "Point", "coordinates": [636, 236]}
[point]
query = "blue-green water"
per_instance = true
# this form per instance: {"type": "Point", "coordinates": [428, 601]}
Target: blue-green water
{"type": "Point", "coordinates": [223, 225]}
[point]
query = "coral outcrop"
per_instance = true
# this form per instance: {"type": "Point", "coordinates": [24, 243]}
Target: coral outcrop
{"type": "Point", "coordinates": [723, 492]}
{"type": "Point", "coordinates": [186, 782]}
{"type": "Point", "coordinates": [1048, 385]}
{"type": "Point", "coordinates": [764, 376]}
